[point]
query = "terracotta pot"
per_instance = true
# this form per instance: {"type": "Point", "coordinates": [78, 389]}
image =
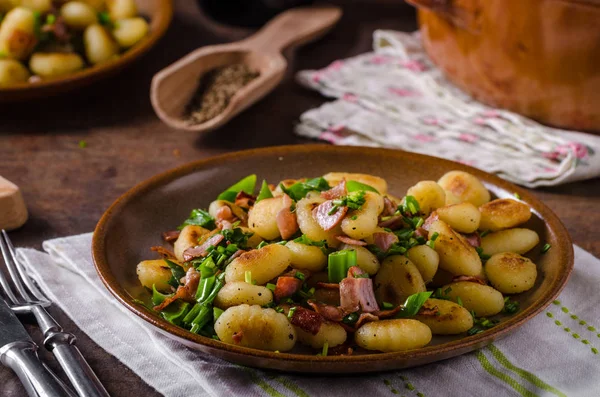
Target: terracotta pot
{"type": "Point", "coordinates": [540, 58]}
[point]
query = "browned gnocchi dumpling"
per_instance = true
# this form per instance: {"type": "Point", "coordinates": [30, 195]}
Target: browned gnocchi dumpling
{"type": "Point", "coordinates": [456, 255]}
{"type": "Point", "coordinates": [510, 273]}
{"type": "Point", "coordinates": [397, 279]}
{"type": "Point", "coordinates": [482, 299]}
{"type": "Point", "coordinates": [503, 214]}
{"type": "Point", "coordinates": [263, 264]}
{"type": "Point", "coordinates": [393, 335]}
{"type": "Point", "coordinates": [445, 317]}
{"type": "Point", "coordinates": [465, 187]}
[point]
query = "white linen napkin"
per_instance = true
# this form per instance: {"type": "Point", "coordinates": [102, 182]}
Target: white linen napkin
{"type": "Point", "coordinates": [396, 97]}
{"type": "Point", "coordinates": [554, 354]}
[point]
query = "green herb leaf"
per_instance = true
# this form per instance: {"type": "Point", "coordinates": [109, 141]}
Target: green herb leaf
{"type": "Point", "coordinates": [177, 271]}
{"type": "Point", "coordinates": [175, 312]}
{"type": "Point", "coordinates": [271, 286]}
{"type": "Point", "coordinates": [158, 297]}
{"type": "Point", "coordinates": [351, 318]}
{"type": "Point", "coordinates": [413, 304]}
{"type": "Point", "coordinates": [325, 349]}
{"type": "Point", "coordinates": [201, 218]}
{"type": "Point", "coordinates": [217, 313]}
{"type": "Point", "coordinates": [299, 190]}
{"type": "Point", "coordinates": [484, 257]}
{"type": "Point", "coordinates": [338, 264]}
{"type": "Point", "coordinates": [246, 184]}
{"type": "Point", "coordinates": [265, 192]}
{"type": "Point", "coordinates": [353, 186]}
{"type": "Point", "coordinates": [237, 236]}
{"type": "Point", "coordinates": [546, 247]}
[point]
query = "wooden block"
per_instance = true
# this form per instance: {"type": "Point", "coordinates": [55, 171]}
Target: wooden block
{"type": "Point", "coordinates": [13, 212]}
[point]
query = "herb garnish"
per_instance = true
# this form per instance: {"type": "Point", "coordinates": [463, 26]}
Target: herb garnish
{"type": "Point", "coordinates": [201, 218]}
{"type": "Point", "coordinates": [299, 190]}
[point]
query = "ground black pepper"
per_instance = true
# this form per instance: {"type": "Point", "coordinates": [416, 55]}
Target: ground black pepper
{"type": "Point", "coordinates": [216, 89]}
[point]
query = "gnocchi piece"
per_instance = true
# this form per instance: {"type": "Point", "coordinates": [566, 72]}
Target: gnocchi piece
{"type": "Point", "coordinates": [365, 259]}
{"type": "Point", "coordinates": [362, 222]}
{"type": "Point", "coordinates": [262, 218]}
{"type": "Point", "coordinates": [188, 238]}
{"type": "Point", "coordinates": [154, 272]}
{"type": "Point", "coordinates": [379, 184]}
{"type": "Point", "coordinates": [121, 9]}
{"type": "Point", "coordinates": [12, 72]}
{"type": "Point", "coordinates": [503, 214]}
{"type": "Point", "coordinates": [78, 15]}
{"type": "Point", "coordinates": [309, 226]}
{"type": "Point", "coordinates": [393, 335]}
{"type": "Point", "coordinates": [17, 33]}
{"type": "Point", "coordinates": [396, 279]}
{"type": "Point", "coordinates": [130, 31]}
{"type": "Point", "coordinates": [307, 257]}
{"type": "Point", "coordinates": [429, 195]}
{"type": "Point", "coordinates": [55, 64]}
{"type": "Point", "coordinates": [254, 240]}
{"type": "Point", "coordinates": [463, 217]}
{"type": "Point", "coordinates": [482, 299]}
{"type": "Point", "coordinates": [99, 45]}
{"type": "Point", "coordinates": [255, 327]}
{"type": "Point", "coordinates": [332, 333]}
{"type": "Point", "coordinates": [265, 264]}
{"type": "Point", "coordinates": [236, 210]}
{"type": "Point", "coordinates": [456, 255]}
{"type": "Point", "coordinates": [515, 240]}
{"type": "Point", "coordinates": [510, 273]}
{"type": "Point", "coordinates": [98, 5]}
{"type": "Point", "coordinates": [446, 318]}
{"type": "Point", "coordinates": [425, 259]}
{"type": "Point", "coordinates": [41, 6]}
{"type": "Point", "coordinates": [7, 5]}
{"type": "Point", "coordinates": [451, 199]}
{"type": "Point", "coordinates": [240, 292]}
{"type": "Point", "coordinates": [465, 187]}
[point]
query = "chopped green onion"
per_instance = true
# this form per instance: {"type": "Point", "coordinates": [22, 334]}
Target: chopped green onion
{"type": "Point", "coordinates": [248, 276]}
{"type": "Point", "coordinates": [261, 244]}
{"type": "Point", "coordinates": [353, 186]}
{"type": "Point", "coordinates": [387, 305]}
{"type": "Point", "coordinates": [545, 248]}
{"type": "Point", "coordinates": [104, 19]}
{"type": "Point", "coordinates": [325, 349]}
{"type": "Point", "coordinates": [410, 205]}
{"type": "Point", "coordinates": [246, 184]}
{"type": "Point", "coordinates": [217, 313]}
{"type": "Point", "coordinates": [459, 301]}
{"type": "Point", "coordinates": [205, 287]}
{"type": "Point", "coordinates": [265, 192]}
{"type": "Point", "coordinates": [271, 286]}
{"type": "Point", "coordinates": [351, 318]}
{"type": "Point", "coordinates": [419, 223]}
{"type": "Point", "coordinates": [517, 195]}
{"type": "Point", "coordinates": [510, 307]}
{"type": "Point", "coordinates": [299, 276]}
{"type": "Point", "coordinates": [431, 242]}
{"type": "Point", "coordinates": [484, 257]}
{"type": "Point", "coordinates": [279, 309]}
{"type": "Point", "coordinates": [353, 217]}
{"type": "Point", "coordinates": [338, 264]}
{"type": "Point", "coordinates": [50, 19]}
{"type": "Point", "coordinates": [484, 233]}
{"type": "Point", "coordinates": [291, 312]}
{"type": "Point", "coordinates": [82, 144]}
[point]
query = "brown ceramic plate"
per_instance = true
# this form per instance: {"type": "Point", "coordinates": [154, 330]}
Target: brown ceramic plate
{"type": "Point", "coordinates": [135, 222]}
{"type": "Point", "coordinates": [158, 13]}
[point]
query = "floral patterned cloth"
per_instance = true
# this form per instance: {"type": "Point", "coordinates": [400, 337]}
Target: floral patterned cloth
{"type": "Point", "coordinates": [395, 97]}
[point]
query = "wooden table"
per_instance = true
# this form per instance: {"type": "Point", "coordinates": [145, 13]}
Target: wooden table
{"type": "Point", "coordinates": [67, 187]}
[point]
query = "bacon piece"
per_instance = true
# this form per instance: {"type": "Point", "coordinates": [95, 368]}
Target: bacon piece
{"type": "Point", "coordinates": [329, 312]}
{"type": "Point", "coordinates": [350, 241]}
{"type": "Point", "coordinates": [395, 222]}
{"type": "Point", "coordinates": [181, 293]}
{"type": "Point", "coordinates": [473, 279]}
{"type": "Point", "coordinates": [307, 320]}
{"type": "Point", "coordinates": [200, 251]}
{"type": "Point", "coordinates": [165, 253]}
{"type": "Point", "coordinates": [244, 200]}
{"type": "Point", "coordinates": [357, 293]}
{"type": "Point", "coordinates": [171, 235]}
{"type": "Point", "coordinates": [473, 239]}
{"type": "Point", "coordinates": [236, 254]}
{"type": "Point", "coordinates": [192, 279]}
{"type": "Point", "coordinates": [224, 213]}
{"type": "Point", "coordinates": [420, 232]}
{"type": "Point", "coordinates": [428, 311]}
{"type": "Point", "coordinates": [384, 240]}
{"type": "Point", "coordinates": [326, 221]}
{"type": "Point", "coordinates": [337, 191]}
{"type": "Point", "coordinates": [286, 286]}
{"type": "Point", "coordinates": [389, 207]}
{"type": "Point", "coordinates": [388, 313]}
{"type": "Point", "coordinates": [430, 219]}
{"type": "Point", "coordinates": [286, 219]}
{"type": "Point", "coordinates": [328, 285]}
{"type": "Point", "coordinates": [365, 318]}
{"type": "Point", "coordinates": [340, 350]}
{"type": "Point", "coordinates": [237, 336]}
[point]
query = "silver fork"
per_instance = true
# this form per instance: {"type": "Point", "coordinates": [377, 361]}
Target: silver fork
{"type": "Point", "coordinates": [29, 299]}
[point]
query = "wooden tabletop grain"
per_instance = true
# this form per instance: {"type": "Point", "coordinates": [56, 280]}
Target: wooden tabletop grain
{"type": "Point", "coordinates": [67, 188]}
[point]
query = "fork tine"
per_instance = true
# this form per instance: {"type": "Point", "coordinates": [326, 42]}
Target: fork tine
{"type": "Point", "coordinates": [10, 262]}
{"type": "Point", "coordinates": [3, 281]}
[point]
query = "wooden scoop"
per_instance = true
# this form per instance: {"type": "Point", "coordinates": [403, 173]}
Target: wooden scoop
{"type": "Point", "coordinates": [13, 212]}
{"type": "Point", "coordinates": [174, 87]}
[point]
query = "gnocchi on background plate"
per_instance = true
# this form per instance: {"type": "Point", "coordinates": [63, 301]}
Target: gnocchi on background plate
{"type": "Point", "coordinates": [46, 39]}
{"type": "Point", "coordinates": [339, 265]}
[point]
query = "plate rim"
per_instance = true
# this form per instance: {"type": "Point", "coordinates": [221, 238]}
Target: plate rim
{"type": "Point", "coordinates": [458, 347]}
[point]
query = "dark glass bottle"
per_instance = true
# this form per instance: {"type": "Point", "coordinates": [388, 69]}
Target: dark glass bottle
{"type": "Point", "coordinates": [248, 13]}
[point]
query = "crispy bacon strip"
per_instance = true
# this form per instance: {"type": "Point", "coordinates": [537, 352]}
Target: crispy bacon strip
{"type": "Point", "coordinates": [337, 191]}
{"type": "Point", "coordinates": [357, 293]}
{"type": "Point", "coordinates": [329, 312]}
{"type": "Point", "coordinates": [350, 241]}
{"type": "Point", "coordinates": [171, 235]}
{"type": "Point", "coordinates": [286, 219]}
{"type": "Point", "coordinates": [181, 293]}
{"type": "Point", "coordinates": [286, 286]}
{"type": "Point", "coordinates": [395, 222]}
{"type": "Point", "coordinates": [244, 200]}
{"type": "Point", "coordinates": [201, 250]}
{"type": "Point", "coordinates": [384, 240]}
{"type": "Point", "coordinates": [389, 207]}
{"type": "Point", "coordinates": [365, 318]}
{"type": "Point", "coordinates": [473, 279]}
{"type": "Point", "coordinates": [430, 219]}
{"type": "Point", "coordinates": [192, 279]}
{"type": "Point", "coordinates": [326, 221]}
{"type": "Point", "coordinates": [388, 313]}
{"type": "Point", "coordinates": [473, 239]}
{"type": "Point", "coordinates": [328, 285]}
{"type": "Point", "coordinates": [307, 320]}
{"type": "Point", "coordinates": [420, 232]}
{"type": "Point", "coordinates": [165, 253]}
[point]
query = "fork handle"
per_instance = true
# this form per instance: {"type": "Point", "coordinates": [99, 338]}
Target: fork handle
{"type": "Point", "coordinates": [22, 358]}
{"type": "Point", "coordinates": [82, 377]}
